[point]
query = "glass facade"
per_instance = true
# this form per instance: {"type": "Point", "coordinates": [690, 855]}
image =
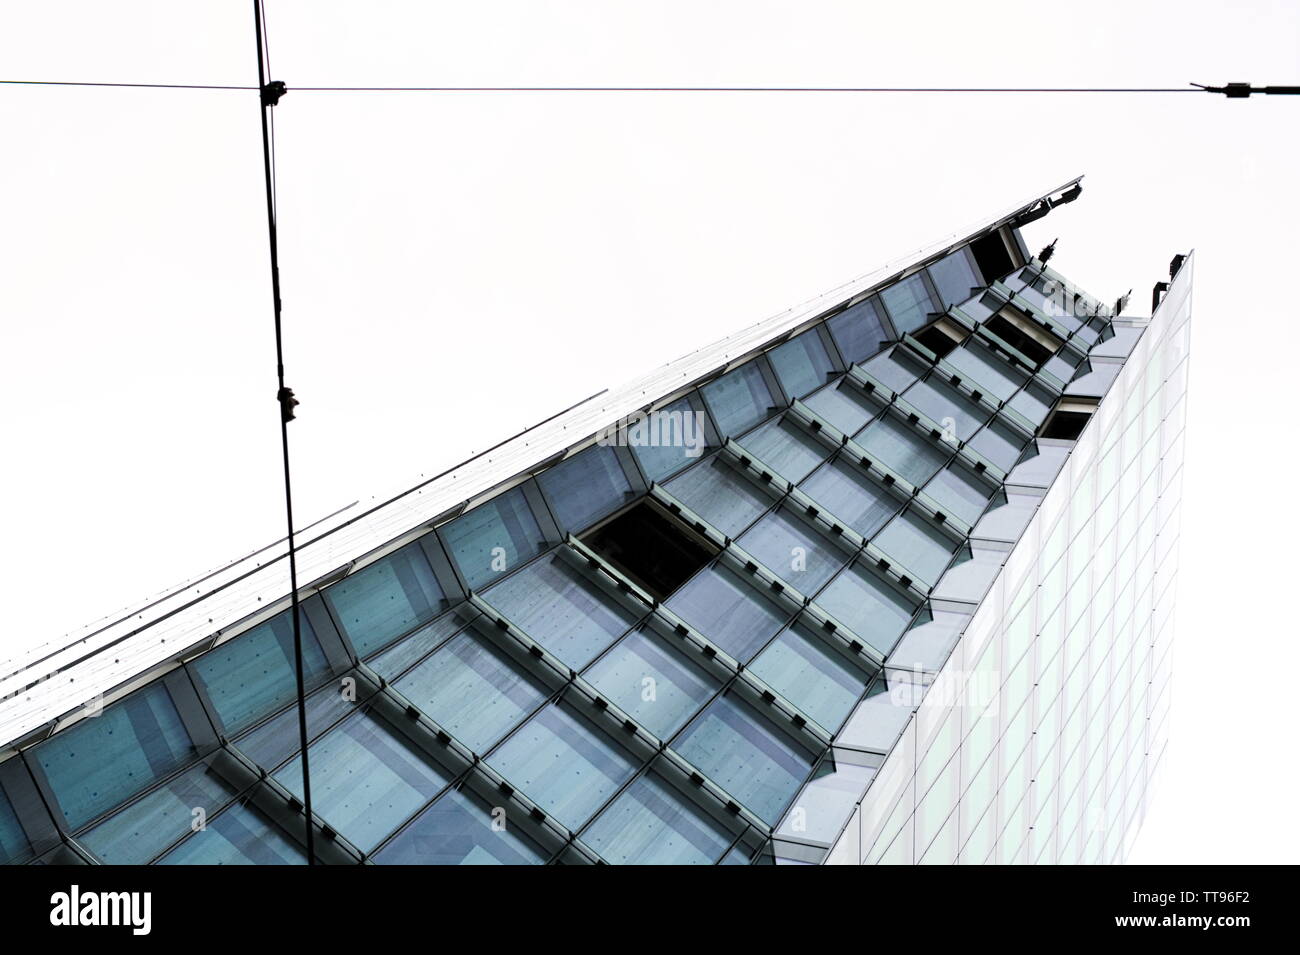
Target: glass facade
{"type": "Point", "coordinates": [903, 625]}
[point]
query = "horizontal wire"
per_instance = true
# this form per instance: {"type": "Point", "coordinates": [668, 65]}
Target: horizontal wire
{"type": "Point", "coordinates": [636, 89]}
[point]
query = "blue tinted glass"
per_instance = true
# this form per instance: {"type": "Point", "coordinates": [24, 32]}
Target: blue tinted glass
{"type": "Point", "coordinates": [563, 765]}
{"type": "Point", "coordinates": [718, 494]}
{"type": "Point", "coordinates": [652, 683]}
{"type": "Point", "coordinates": [1000, 443]}
{"type": "Point", "coordinates": [960, 493]}
{"type": "Point", "coordinates": [149, 825]}
{"type": "Point", "coordinates": [239, 836]}
{"type": "Point", "coordinates": [902, 449]}
{"type": "Point", "coordinates": [471, 689]}
{"type": "Point", "coordinates": [585, 488]}
{"type": "Point", "coordinates": [845, 491]}
{"type": "Point", "coordinates": [732, 745]}
{"type": "Point", "coordinates": [801, 364]}
{"type": "Point", "coordinates": [561, 609]}
{"type": "Point", "coordinates": [650, 823]}
{"type": "Point", "coordinates": [103, 760]}
{"type": "Point", "coordinates": [276, 740]}
{"type": "Point", "coordinates": [365, 781]}
{"type": "Point", "coordinates": [667, 440]}
{"type": "Point", "coordinates": [785, 448]}
{"type": "Point", "coordinates": [381, 602]}
{"type": "Point", "coordinates": [947, 407]}
{"type": "Point", "coordinates": [985, 371]}
{"type": "Point", "coordinates": [728, 611]}
{"type": "Point", "coordinates": [868, 606]}
{"type": "Point", "coordinates": [908, 303]}
{"type": "Point", "coordinates": [405, 653]}
{"type": "Point", "coordinates": [253, 675]}
{"type": "Point", "coordinates": [793, 551]}
{"type": "Point", "coordinates": [813, 676]}
{"type": "Point", "coordinates": [954, 278]}
{"type": "Point", "coordinates": [495, 537]}
{"type": "Point", "coordinates": [916, 545]}
{"type": "Point", "coordinates": [739, 399]}
{"type": "Point", "coordinates": [842, 406]}
{"type": "Point", "coordinates": [14, 847]}
{"type": "Point", "coordinates": [458, 830]}
{"type": "Point", "coordinates": [894, 369]}
{"type": "Point", "coordinates": [857, 332]}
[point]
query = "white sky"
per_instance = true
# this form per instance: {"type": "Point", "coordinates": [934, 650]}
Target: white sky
{"type": "Point", "coordinates": [458, 266]}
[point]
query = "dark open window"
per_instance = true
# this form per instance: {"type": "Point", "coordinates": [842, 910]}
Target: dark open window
{"type": "Point", "coordinates": [941, 337]}
{"type": "Point", "coordinates": [1068, 418]}
{"type": "Point", "coordinates": [652, 548]}
{"type": "Point", "coordinates": [992, 256]}
{"type": "Point", "coordinates": [1031, 340]}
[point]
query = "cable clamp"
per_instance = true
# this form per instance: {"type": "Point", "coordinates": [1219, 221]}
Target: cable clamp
{"type": "Point", "coordinates": [287, 403]}
{"type": "Point", "coordinates": [272, 92]}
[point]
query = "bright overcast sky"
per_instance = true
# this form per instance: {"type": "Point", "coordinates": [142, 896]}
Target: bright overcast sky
{"type": "Point", "coordinates": [457, 266]}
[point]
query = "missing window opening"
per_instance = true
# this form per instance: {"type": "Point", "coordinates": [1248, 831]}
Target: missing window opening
{"type": "Point", "coordinates": [1068, 419]}
{"type": "Point", "coordinates": [941, 337]}
{"type": "Point", "coordinates": [652, 548]}
{"type": "Point", "coordinates": [992, 256]}
{"type": "Point", "coordinates": [1013, 327]}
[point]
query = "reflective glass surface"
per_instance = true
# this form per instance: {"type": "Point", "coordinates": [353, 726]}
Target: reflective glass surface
{"type": "Point", "coordinates": [748, 758]}
{"type": "Point", "coordinates": [651, 682]}
{"type": "Point", "coordinates": [947, 407]}
{"type": "Point", "coordinates": [473, 690]}
{"type": "Point", "coordinates": [847, 492]}
{"type": "Point", "coordinates": [786, 448]}
{"type": "Point", "coordinates": [857, 331]}
{"type": "Point", "coordinates": [954, 278]}
{"type": "Point", "coordinates": [908, 303]}
{"type": "Point", "coordinates": [585, 487]}
{"type": "Point", "coordinates": [562, 609]}
{"type": "Point", "coordinates": [239, 836]}
{"type": "Point", "coordinates": [667, 440]}
{"type": "Point", "coordinates": [793, 550]}
{"type": "Point", "coordinates": [495, 537]}
{"type": "Point", "coordinates": [714, 490]}
{"type": "Point", "coordinates": [564, 764]}
{"type": "Point", "coordinates": [651, 823]}
{"type": "Point", "coordinates": [728, 610]}
{"type": "Point", "coordinates": [379, 603]}
{"type": "Point", "coordinates": [813, 676]}
{"type": "Point", "coordinates": [912, 541]}
{"type": "Point", "coordinates": [14, 847]}
{"type": "Point", "coordinates": [739, 399]}
{"type": "Point", "coordinates": [843, 406]}
{"type": "Point", "coordinates": [868, 606]}
{"type": "Point", "coordinates": [801, 364]}
{"type": "Point", "coordinates": [959, 492]}
{"type": "Point", "coordinates": [902, 449]}
{"type": "Point", "coordinates": [457, 829]}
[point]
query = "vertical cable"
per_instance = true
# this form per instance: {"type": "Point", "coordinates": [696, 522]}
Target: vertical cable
{"type": "Point", "coordinates": [286, 401]}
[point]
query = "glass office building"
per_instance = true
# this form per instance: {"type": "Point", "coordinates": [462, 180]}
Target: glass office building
{"type": "Point", "coordinates": [885, 578]}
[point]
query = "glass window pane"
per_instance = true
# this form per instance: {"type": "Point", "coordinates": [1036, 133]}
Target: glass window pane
{"type": "Point", "coordinates": [470, 688]}
{"type": "Point", "coordinates": [14, 847]}
{"type": "Point", "coordinates": [954, 278]}
{"type": "Point", "coordinates": [562, 764]}
{"type": "Point", "coordinates": [846, 492]}
{"type": "Point", "coordinates": [1000, 443]}
{"type": "Point", "coordinates": [901, 448]}
{"type": "Point", "coordinates": [801, 364]}
{"type": "Point", "coordinates": [149, 825]}
{"type": "Point", "coordinates": [915, 544]}
{"type": "Point", "coordinates": [585, 488]}
{"type": "Point", "coordinates": [857, 332]}
{"type": "Point", "coordinates": [253, 675]}
{"type": "Point", "coordinates": [985, 371]}
{"type": "Point", "coordinates": [102, 761]}
{"type": "Point", "coordinates": [276, 740]}
{"type": "Point", "coordinates": [381, 602]}
{"type": "Point", "coordinates": [728, 611]}
{"type": "Point", "coordinates": [947, 407]}
{"type": "Point", "coordinates": [895, 369]}
{"type": "Point", "coordinates": [960, 493]}
{"type": "Point", "coordinates": [842, 406]}
{"type": "Point", "coordinates": [908, 303]}
{"type": "Point", "coordinates": [739, 399]}
{"type": "Point", "coordinates": [562, 609]}
{"type": "Point", "coordinates": [714, 490]}
{"type": "Point", "coordinates": [732, 745]}
{"type": "Point", "coordinates": [651, 682]}
{"type": "Point", "coordinates": [457, 830]}
{"type": "Point", "coordinates": [651, 823]}
{"type": "Point", "coordinates": [495, 537]}
{"type": "Point", "coordinates": [786, 448]}
{"type": "Point", "coordinates": [365, 781]}
{"type": "Point", "coordinates": [793, 550]}
{"type": "Point", "coordinates": [1033, 404]}
{"type": "Point", "coordinates": [239, 836]}
{"type": "Point", "coordinates": [813, 676]}
{"type": "Point", "coordinates": [405, 653]}
{"type": "Point", "coordinates": [667, 440]}
{"type": "Point", "coordinates": [867, 605]}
